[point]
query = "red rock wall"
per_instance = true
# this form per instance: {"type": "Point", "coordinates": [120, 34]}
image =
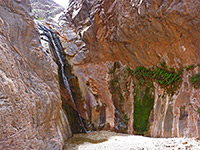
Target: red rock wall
{"type": "Point", "coordinates": [30, 104]}
{"type": "Point", "coordinates": [135, 33]}
{"type": "Point", "coordinates": [177, 115]}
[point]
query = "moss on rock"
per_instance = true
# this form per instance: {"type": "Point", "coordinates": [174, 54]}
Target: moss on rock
{"type": "Point", "coordinates": [143, 104]}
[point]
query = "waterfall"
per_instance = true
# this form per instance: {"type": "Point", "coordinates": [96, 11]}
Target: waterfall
{"type": "Point", "coordinates": [57, 51]}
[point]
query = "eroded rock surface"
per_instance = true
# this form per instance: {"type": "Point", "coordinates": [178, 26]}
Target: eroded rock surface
{"type": "Point", "coordinates": [45, 9]}
{"type": "Point", "coordinates": [134, 33]}
{"type": "Point", "coordinates": [30, 103]}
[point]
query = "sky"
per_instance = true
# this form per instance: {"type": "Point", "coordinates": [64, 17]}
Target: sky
{"type": "Point", "coordinates": [62, 2]}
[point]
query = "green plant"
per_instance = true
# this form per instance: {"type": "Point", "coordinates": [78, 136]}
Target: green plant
{"type": "Point", "coordinates": [172, 69]}
{"type": "Point", "coordinates": [113, 69]}
{"type": "Point", "coordinates": [127, 70]}
{"type": "Point", "coordinates": [165, 78]}
{"type": "Point", "coordinates": [143, 104]}
{"type": "Point", "coordinates": [33, 10]}
{"type": "Point", "coordinates": [180, 71]}
{"type": "Point", "coordinates": [40, 18]}
{"type": "Point", "coordinates": [163, 65]}
{"type": "Point", "coordinates": [141, 73]}
{"type": "Point", "coordinates": [198, 110]}
{"type": "Point", "coordinates": [195, 80]}
{"type": "Point", "coordinates": [190, 67]}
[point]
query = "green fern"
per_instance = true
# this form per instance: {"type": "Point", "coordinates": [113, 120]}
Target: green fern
{"type": "Point", "coordinates": [166, 78]}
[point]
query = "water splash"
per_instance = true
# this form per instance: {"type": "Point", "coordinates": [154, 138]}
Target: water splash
{"type": "Point", "coordinates": [57, 51]}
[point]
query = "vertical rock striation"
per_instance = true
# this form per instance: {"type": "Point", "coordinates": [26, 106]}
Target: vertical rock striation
{"type": "Point", "coordinates": [102, 37]}
{"type": "Point", "coordinates": [30, 103]}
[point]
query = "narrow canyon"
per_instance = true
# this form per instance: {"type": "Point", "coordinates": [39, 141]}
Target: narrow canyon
{"type": "Point", "coordinates": [115, 74]}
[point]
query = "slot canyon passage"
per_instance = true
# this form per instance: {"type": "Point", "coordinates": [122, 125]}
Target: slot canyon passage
{"type": "Point", "coordinates": [100, 75]}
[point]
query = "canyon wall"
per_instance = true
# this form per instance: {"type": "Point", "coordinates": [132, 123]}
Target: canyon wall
{"type": "Point", "coordinates": [133, 67]}
{"type": "Point", "coordinates": [106, 40]}
{"type": "Point", "coordinates": [30, 105]}
{"type": "Point", "coordinates": [45, 9]}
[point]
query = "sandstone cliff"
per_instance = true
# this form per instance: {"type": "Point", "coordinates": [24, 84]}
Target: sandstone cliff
{"type": "Point", "coordinates": [45, 9]}
{"type": "Point", "coordinates": [106, 40]}
{"type": "Point", "coordinates": [133, 67]}
{"type": "Point", "coordinates": [30, 103]}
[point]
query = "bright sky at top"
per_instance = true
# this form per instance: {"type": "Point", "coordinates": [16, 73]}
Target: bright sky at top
{"type": "Point", "coordinates": [63, 3]}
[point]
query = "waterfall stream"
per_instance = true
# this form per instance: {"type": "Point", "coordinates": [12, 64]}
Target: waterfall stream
{"type": "Point", "coordinates": [57, 51]}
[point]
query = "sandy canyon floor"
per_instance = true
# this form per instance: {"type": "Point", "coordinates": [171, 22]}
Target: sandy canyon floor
{"type": "Point", "coordinates": [105, 140]}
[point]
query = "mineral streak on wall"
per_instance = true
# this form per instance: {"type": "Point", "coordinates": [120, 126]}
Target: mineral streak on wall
{"type": "Point", "coordinates": [96, 34]}
{"type": "Point", "coordinates": [101, 38]}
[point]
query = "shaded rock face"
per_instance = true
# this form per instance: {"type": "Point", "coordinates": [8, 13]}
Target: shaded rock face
{"type": "Point", "coordinates": [102, 37]}
{"type": "Point", "coordinates": [30, 103]}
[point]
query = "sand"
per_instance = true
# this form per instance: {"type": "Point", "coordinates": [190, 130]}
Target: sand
{"type": "Point", "coordinates": [106, 140]}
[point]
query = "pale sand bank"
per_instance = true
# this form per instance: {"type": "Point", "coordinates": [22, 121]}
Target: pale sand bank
{"type": "Point", "coordinates": [105, 140]}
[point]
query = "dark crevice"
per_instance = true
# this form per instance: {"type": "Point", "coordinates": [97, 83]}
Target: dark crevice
{"type": "Point", "coordinates": [65, 76]}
